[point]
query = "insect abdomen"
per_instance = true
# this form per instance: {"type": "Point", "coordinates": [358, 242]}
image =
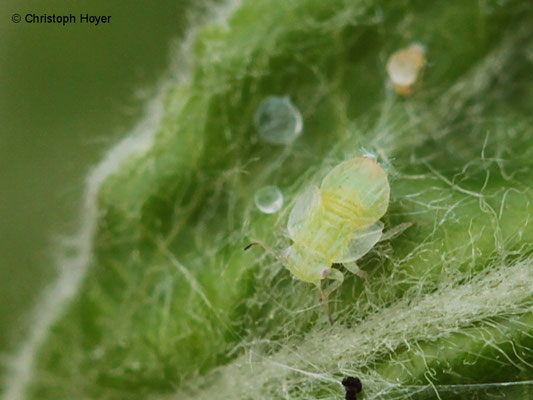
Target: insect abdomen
{"type": "Point", "coordinates": [326, 234]}
{"type": "Point", "coordinates": [341, 207]}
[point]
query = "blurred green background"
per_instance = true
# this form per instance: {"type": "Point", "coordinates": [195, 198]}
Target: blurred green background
{"type": "Point", "coordinates": [66, 94]}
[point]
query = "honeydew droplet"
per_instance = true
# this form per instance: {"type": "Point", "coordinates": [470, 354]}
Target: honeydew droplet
{"type": "Point", "coordinates": [277, 120]}
{"type": "Point", "coordinates": [404, 66]}
{"type": "Point", "coordinates": [268, 199]}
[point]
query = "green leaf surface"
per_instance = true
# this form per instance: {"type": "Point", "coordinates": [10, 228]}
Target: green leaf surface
{"type": "Point", "coordinates": [171, 306]}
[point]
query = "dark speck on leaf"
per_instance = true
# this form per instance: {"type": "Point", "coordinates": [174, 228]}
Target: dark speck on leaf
{"type": "Point", "coordinates": [352, 386]}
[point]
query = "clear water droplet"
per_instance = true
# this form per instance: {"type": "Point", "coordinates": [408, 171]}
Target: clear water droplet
{"type": "Point", "coordinates": [268, 199]}
{"type": "Point", "coordinates": [277, 120]}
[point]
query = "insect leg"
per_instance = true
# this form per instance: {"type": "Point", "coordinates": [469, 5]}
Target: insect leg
{"type": "Point", "coordinates": [338, 278]}
{"type": "Point", "coordinates": [395, 231]}
{"type": "Point", "coordinates": [324, 299]}
{"type": "Point", "coordinates": [354, 269]}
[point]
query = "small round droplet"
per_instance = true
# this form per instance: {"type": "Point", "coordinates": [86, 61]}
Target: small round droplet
{"type": "Point", "coordinates": [277, 120]}
{"type": "Point", "coordinates": [268, 199]}
{"type": "Point", "coordinates": [404, 66]}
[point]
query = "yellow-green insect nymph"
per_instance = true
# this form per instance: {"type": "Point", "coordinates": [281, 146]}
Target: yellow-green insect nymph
{"type": "Point", "coordinates": [337, 222]}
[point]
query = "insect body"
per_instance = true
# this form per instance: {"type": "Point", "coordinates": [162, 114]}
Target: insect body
{"type": "Point", "coordinates": [337, 222]}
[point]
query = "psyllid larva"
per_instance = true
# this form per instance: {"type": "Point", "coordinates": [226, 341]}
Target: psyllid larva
{"type": "Point", "coordinates": [337, 222]}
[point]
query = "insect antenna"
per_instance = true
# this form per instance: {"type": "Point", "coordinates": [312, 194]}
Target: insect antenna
{"type": "Point", "coordinates": [252, 244]}
{"type": "Point", "coordinates": [266, 248]}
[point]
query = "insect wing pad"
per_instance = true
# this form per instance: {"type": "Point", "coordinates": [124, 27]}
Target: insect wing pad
{"type": "Point", "coordinates": [306, 205]}
{"type": "Point", "coordinates": [360, 243]}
